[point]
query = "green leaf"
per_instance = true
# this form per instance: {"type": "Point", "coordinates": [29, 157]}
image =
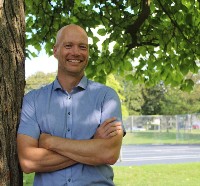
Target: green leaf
{"type": "Point", "coordinates": [129, 77]}
{"type": "Point", "coordinates": [194, 68]}
{"type": "Point", "coordinates": [188, 19]}
{"type": "Point", "coordinates": [128, 66]}
{"type": "Point", "coordinates": [101, 32]}
{"type": "Point", "coordinates": [187, 85]}
{"type": "Point", "coordinates": [95, 40]}
{"type": "Point", "coordinates": [184, 69]}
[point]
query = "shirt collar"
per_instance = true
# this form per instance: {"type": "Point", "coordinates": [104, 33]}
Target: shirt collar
{"type": "Point", "coordinates": [82, 84]}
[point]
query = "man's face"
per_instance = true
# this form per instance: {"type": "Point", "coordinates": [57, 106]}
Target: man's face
{"type": "Point", "coordinates": [72, 51]}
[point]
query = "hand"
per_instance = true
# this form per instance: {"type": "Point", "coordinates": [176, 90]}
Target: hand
{"type": "Point", "coordinates": [108, 129]}
{"type": "Point", "coordinates": [44, 140]}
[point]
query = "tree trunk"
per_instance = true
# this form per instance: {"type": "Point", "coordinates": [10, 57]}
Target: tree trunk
{"type": "Point", "coordinates": [12, 82]}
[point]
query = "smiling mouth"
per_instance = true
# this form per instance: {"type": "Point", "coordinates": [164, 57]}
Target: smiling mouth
{"type": "Point", "coordinates": [74, 61]}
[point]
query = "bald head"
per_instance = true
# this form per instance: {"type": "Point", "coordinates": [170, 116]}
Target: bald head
{"type": "Point", "coordinates": [70, 28]}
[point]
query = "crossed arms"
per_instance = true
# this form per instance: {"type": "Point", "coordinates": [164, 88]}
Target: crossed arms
{"type": "Point", "coordinates": [51, 153]}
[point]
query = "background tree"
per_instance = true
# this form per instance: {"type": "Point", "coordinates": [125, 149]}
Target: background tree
{"type": "Point", "coordinates": [132, 93]}
{"type": "Point", "coordinates": [111, 81]}
{"type": "Point", "coordinates": [162, 36]}
{"type": "Point", "coordinates": [152, 100]}
{"type": "Point", "coordinates": [179, 102]}
{"type": "Point", "coordinates": [12, 45]}
{"type": "Point", "coordinates": [39, 79]}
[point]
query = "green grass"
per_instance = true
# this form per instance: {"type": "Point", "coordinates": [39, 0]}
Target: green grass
{"type": "Point", "coordinates": [156, 137]}
{"type": "Point", "coordinates": [28, 179]}
{"type": "Point", "coordinates": [187, 174]}
{"type": "Point", "coordinates": [158, 175]}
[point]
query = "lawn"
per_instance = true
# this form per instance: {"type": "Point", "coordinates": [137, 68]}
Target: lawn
{"type": "Point", "coordinates": [158, 175]}
{"type": "Point", "coordinates": [156, 137]}
{"type": "Point", "coordinates": [151, 175]}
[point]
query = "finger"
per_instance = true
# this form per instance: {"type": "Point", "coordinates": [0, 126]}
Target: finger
{"type": "Point", "coordinates": [112, 125]}
{"type": "Point", "coordinates": [114, 133]}
{"type": "Point", "coordinates": [109, 121]}
{"type": "Point", "coordinates": [112, 129]}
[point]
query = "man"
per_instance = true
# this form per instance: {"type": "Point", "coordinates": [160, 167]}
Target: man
{"type": "Point", "coordinates": [70, 131]}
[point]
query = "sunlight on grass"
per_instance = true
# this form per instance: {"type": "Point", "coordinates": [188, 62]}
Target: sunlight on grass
{"type": "Point", "coordinates": [158, 175]}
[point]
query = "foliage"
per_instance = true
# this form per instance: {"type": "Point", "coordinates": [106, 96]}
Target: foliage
{"type": "Point", "coordinates": [152, 100]}
{"type": "Point", "coordinates": [132, 95]}
{"type": "Point", "coordinates": [179, 102]}
{"type": "Point", "coordinates": [112, 82]}
{"type": "Point", "coordinates": [39, 79]}
{"type": "Point", "coordinates": [160, 99]}
{"type": "Point", "coordinates": [160, 38]}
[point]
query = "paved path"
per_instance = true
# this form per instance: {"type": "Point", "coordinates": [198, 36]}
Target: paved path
{"type": "Point", "coordinates": [158, 154]}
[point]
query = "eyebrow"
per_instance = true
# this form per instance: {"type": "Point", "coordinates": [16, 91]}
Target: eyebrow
{"type": "Point", "coordinates": [69, 42]}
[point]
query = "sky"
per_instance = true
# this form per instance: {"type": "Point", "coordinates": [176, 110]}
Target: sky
{"type": "Point", "coordinates": [42, 63]}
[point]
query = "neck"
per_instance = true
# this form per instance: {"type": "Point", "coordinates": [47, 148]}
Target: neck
{"type": "Point", "coordinates": [69, 82]}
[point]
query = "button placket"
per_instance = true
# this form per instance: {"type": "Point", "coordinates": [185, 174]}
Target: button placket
{"type": "Point", "coordinates": [69, 116]}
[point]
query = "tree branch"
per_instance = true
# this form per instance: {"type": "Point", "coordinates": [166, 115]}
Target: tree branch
{"type": "Point", "coordinates": [134, 28]}
{"type": "Point", "coordinates": [173, 21]}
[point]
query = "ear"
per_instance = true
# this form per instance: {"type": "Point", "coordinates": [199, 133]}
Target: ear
{"type": "Point", "coordinates": [55, 51]}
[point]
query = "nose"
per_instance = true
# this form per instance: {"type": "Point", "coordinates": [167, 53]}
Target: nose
{"type": "Point", "coordinates": [76, 51]}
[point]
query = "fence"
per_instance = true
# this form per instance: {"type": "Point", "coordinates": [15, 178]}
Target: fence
{"type": "Point", "coordinates": [185, 127]}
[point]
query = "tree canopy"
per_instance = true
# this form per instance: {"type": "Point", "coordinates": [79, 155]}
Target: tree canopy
{"type": "Point", "coordinates": [160, 39]}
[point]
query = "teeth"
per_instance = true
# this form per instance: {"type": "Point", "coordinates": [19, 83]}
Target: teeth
{"type": "Point", "coordinates": [74, 61]}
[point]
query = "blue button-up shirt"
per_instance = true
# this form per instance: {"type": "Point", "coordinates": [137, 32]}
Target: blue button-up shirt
{"type": "Point", "coordinates": [74, 115]}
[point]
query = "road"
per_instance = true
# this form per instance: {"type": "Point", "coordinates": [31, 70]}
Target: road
{"type": "Point", "coordinates": [158, 154]}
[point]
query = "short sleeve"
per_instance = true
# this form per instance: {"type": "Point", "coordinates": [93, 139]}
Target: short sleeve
{"type": "Point", "coordinates": [112, 106]}
{"type": "Point", "coordinates": [28, 122]}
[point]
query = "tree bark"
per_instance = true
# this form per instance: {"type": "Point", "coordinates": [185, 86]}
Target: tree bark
{"type": "Point", "coordinates": [12, 82]}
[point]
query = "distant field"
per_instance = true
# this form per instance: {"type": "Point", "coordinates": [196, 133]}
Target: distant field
{"type": "Point", "coordinates": [156, 137]}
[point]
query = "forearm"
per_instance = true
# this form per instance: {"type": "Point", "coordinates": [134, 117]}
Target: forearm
{"type": "Point", "coordinates": [42, 160]}
{"type": "Point", "coordinates": [34, 159]}
{"type": "Point", "coordinates": [81, 151]}
{"type": "Point", "coordinates": [92, 152]}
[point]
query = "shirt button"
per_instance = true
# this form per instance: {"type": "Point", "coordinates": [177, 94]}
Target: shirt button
{"type": "Point", "coordinates": [68, 113]}
{"type": "Point", "coordinates": [68, 129]}
{"type": "Point", "coordinates": [69, 180]}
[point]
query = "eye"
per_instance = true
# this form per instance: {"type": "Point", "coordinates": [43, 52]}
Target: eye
{"type": "Point", "coordinates": [68, 46]}
{"type": "Point", "coordinates": [83, 47]}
